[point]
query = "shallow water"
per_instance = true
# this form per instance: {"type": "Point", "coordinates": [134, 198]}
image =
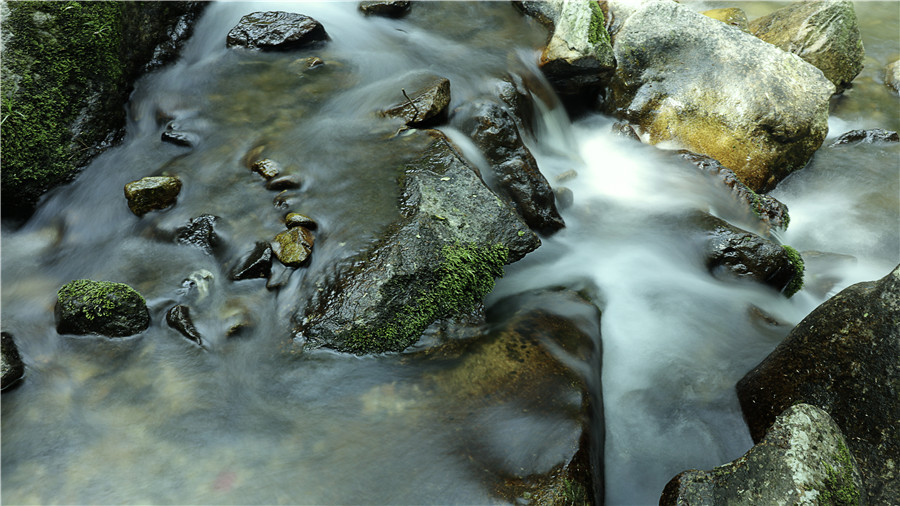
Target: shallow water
{"type": "Point", "coordinates": [251, 419]}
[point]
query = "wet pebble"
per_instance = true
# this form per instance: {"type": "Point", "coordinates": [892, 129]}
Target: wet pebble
{"type": "Point", "coordinates": [179, 318]}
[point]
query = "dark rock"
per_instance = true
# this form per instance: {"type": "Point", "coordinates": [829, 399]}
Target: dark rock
{"type": "Point", "coordinates": [179, 318]}
{"type": "Point", "coordinates": [100, 307]}
{"type": "Point", "coordinates": [276, 30]}
{"type": "Point", "coordinates": [266, 168]}
{"type": "Point", "coordinates": [257, 264]}
{"type": "Point", "coordinates": [175, 135]}
{"type": "Point", "coordinates": [150, 193]}
{"type": "Point", "coordinates": [515, 171]}
{"type": "Point", "coordinates": [441, 257]}
{"type": "Point", "coordinates": [623, 129]}
{"type": "Point", "coordinates": [730, 16]}
{"type": "Point", "coordinates": [803, 459]}
{"type": "Point", "coordinates": [298, 220]}
{"type": "Point", "coordinates": [286, 200]}
{"type": "Point", "coordinates": [825, 34]}
{"type": "Point", "coordinates": [281, 183]}
{"type": "Point", "coordinates": [844, 358]}
{"type": "Point", "coordinates": [294, 246]}
{"type": "Point", "coordinates": [386, 8]}
{"type": "Point", "coordinates": [425, 107]}
{"type": "Point", "coordinates": [200, 232]}
{"type": "Point", "coordinates": [12, 369]}
{"type": "Point", "coordinates": [873, 136]}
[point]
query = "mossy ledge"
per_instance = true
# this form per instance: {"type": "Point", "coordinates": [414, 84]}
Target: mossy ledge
{"type": "Point", "coordinates": [796, 282]}
{"type": "Point", "coordinates": [465, 275]}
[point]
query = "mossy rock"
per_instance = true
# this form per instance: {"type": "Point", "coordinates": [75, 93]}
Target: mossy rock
{"type": "Point", "coordinates": [100, 307]}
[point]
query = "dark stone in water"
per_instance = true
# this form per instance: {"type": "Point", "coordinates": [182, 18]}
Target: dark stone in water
{"type": "Point", "coordinates": [386, 8]}
{"type": "Point", "coordinates": [179, 318]}
{"type": "Point", "coordinates": [151, 193]}
{"type": "Point", "coordinates": [185, 139]}
{"type": "Point", "coordinates": [100, 307]}
{"type": "Point", "coordinates": [844, 358]}
{"type": "Point", "coordinates": [258, 264]}
{"type": "Point", "coordinates": [276, 30]}
{"type": "Point", "coordinates": [298, 220]}
{"type": "Point", "coordinates": [200, 232]}
{"type": "Point", "coordinates": [426, 106]}
{"type": "Point", "coordinates": [872, 136]}
{"type": "Point", "coordinates": [11, 367]}
{"type": "Point", "coordinates": [281, 183]}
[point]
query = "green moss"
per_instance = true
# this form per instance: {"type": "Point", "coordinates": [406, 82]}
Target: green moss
{"type": "Point", "coordinates": [97, 299]}
{"type": "Point", "coordinates": [839, 486]}
{"type": "Point", "coordinates": [597, 30]}
{"type": "Point", "coordinates": [797, 262]}
{"type": "Point", "coordinates": [465, 275]}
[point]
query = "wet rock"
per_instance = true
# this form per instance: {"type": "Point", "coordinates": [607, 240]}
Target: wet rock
{"type": "Point", "coordinates": [844, 358]}
{"type": "Point", "coordinates": [100, 307]}
{"type": "Point", "coordinates": [875, 135]}
{"type": "Point", "coordinates": [12, 369]}
{"type": "Point", "coordinates": [691, 80]}
{"type": "Point", "coordinates": [823, 33]}
{"type": "Point", "coordinates": [730, 16]}
{"type": "Point", "coordinates": [257, 264]}
{"type": "Point", "coordinates": [197, 285]}
{"type": "Point", "coordinates": [892, 75]}
{"type": "Point", "coordinates": [441, 257]}
{"type": "Point", "coordinates": [386, 8]}
{"type": "Point", "coordinates": [769, 210]}
{"type": "Point", "coordinates": [298, 220]}
{"type": "Point", "coordinates": [174, 135]}
{"type": "Point", "coordinates": [293, 247]}
{"type": "Point", "coordinates": [426, 106]}
{"type": "Point", "coordinates": [280, 275]}
{"type": "Point", "coordinates": [515, 171]}
{"type": "Point", "coordinates": [624, 130]}
{"type": "Point", "coordinates": [179, 318]}
{"type": "Point", "coordinates": [266, 168]}
{"type": "Point", "coordinates": [733, 253]}
{"type": "Point", "coordinates": [281, 183]}
{"type": "Point", "coordinates": [200, 232]}
{"type": "Point", "coordinates": [276, 30]}
{"type": "Point", "coordinates": [151, 193]}
{"type": "Point", "coordinates": [578, 55]}
{"type": "Point", "coordinates": [803, 459]}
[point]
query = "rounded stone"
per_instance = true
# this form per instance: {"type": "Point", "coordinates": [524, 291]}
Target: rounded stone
{"type": "Point", "coordinates": [298, 220]}
{"type": "Point", "coordinates": [293, 246]}
{"type": "Point", "coordinates": [100, 307]}
{"type": "Point", "coordinates": [150, 193]}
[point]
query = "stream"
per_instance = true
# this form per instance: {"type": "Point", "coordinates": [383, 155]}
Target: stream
{"type": "Point", "coordinates": [252, 420]}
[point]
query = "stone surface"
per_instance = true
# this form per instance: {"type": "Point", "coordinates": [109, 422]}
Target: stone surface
{"type": "Point", "coordinates": [12, 369]}
{"type": "Point", "coordinates": [276, 30]}
{"type": "Point", "coordinates": [825, 33]}
{"type": "Point", "coordinates": [151, 193]}
{"type": "Point", "coordinates": [281, 183]}
{"type": "Point", "coordinates": [515, 173]}
{"type": "Point", "coordinates": [693, 81]}
{"type": "Point", "coordinates": [256, 264]}
{"type": "Point", "coordinates": [730, 16]}
{"type": "Point", "coordinates": [440, 257]}
{"type": "Point", "coordinates": [803, 459]}
{"type": "Point", "coordinates": [100, 307]}
{"type": "Point", "coordinates": [298, 220]}
{"type": "Point", "coordinates": [844, 357]}
{"type": "Point", "coordinates": [293, 247]}
{"type": "Point", "coordinates": [184, 139]}
{"type": "Point", "coordinates": [200, 232]}
{"type": "Point", "coordinates": [386, 8]}
{"type": "Point", "coordinates": [426, 106]}
{"type": "Point", "coordinates": [179, 318]}
{"type": "Point", "coordinates": [892, 75]}
{"type": "Point", "coordinates": [874, 135]}
{"type": "Point", "coordinates": [266, 168]}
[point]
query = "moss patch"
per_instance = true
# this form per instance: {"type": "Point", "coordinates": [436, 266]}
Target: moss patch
{"type": "Point", "coordinates": [97, 299]}
{"type": "Point", "coordinates": [796, 282]}
{"type": "Point", "coordinates": [839, 486]}
{"type": "Point", "coordinates": [597, 30]}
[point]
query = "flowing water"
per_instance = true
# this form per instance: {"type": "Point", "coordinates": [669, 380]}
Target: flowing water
{"type": "Point", "coordinates": [250, 419]}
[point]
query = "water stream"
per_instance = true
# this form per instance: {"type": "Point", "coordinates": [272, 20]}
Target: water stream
{"type": "Point", "coordinates": [248, 420]}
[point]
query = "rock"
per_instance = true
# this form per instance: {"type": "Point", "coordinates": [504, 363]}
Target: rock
{"type": "Point", "coordinates": [844, 357]}
{"type": "Point", "coordinates": [730, 16]}
{"type": "Point", "coordinates": [174, 134]}
{"type": "Point", "coordinates": [276, 31]}
{"type": "Point", "coordinates": [564, 197]}
{"type": "Point", "coordinates": [771, 212]}
{"type": "Point", "coordinates": [691, 80]}
{"type": "Point", "coordinates": [266, 168]}
{"type": "Point", "coordinates": [892, 75]}
{"type": "Point", "coordinates": [733, 253]}
{"type": "Point", "coordinates": [12, 369]}
{"type": "Point", "coordinates": [294, 246]}
{"type": "Point", "coordinates": [824, 33]}
{"type": "Point", "coordinates": [441, 257]}
{"type": "Point", "coordinates": [257, 264]}
{"type": "Point", "coordinates": [426, 106]}
{"type": "Point", "coordinates": [578, 55]}
{"type": "Point", "coordinates": [281, 183]}
{"type": "Point", "coordinates": [386, 8]}
{"type": "Point", "coordinates": [100, 307]}
{"type": "Point", "coordinates": [875, 135]}
{"type": "Point", "coordinates": [515, 172]}
{"type": "Point", "coordinates": [200, 232]}
{"type": "Point", "coordinates": [150, 193]}
{"type": "Point", "coordinates": [624, 130]}
{"type": "Point", "coordinates": [298, 220]}
{"type": "Point", "coordinates": [803, 459]}
{"type": "Point", "coordinates": [179, 318]}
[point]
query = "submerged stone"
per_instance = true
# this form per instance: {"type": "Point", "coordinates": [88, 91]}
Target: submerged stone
{"type": "Point", "coordinates": [100, 307]}
{"type": "Point", "coordinates": [173, 135]}
{"type": "Point", "coordinates": [872, 136]}
{"type": "Point", "coordinates": [276, 30]}
{"type": "Point", "coordinates": [151, 193]}
{"type": "Point", "coordinates": [179, 318]}
{"type": "Point", "coordinates": [425, 106]}
{"type": "Point", "coordinates": [281, 183]}
{"type": "Point", "coordinates": [293, 247]}
{"type": "Point", "coordinates": [386, 8]}
{"type": "Point", "coordinates": [12, 369]}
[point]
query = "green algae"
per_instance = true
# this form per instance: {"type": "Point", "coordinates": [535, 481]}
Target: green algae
{"type": "Point", "coordinates": [796, 282]}
{"type": "Point", "coordinates": [96, 299]}
{"type": "Point", "coordinates": [839, 486]}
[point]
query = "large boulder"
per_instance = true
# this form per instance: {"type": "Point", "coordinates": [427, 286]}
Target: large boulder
{"type": "Point", "coordinates": [441, 256]}
{"type": "Point", "coordinates": [11, 366]}
{"type": "Point", "coordinates": [275, 31]}
{"type": "Point", "coordinates": [844, 357]}
{"type": "Point", "coordinates": [803, 459]}
{"type": "Point", "coordinates": [824, 33]}
{"type": "Point", "coordinates": [688, 79]}
{"type": "Point", "coordinates": [515, 172]}
{"type": "Point", "coordinates": [100, 307]}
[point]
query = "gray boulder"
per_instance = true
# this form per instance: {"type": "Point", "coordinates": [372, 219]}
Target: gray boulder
{"type": "Point", "coordinates": [803, 459]}
{"type": "Point", "coordinates": [275, 31]}
{"type": "Point", "coordinates": [100, 307]}
{"type": "Point", "coordinates": [825, 33]}
{"type": "Point", "coordinates": [691, 80]}
{"type": "Point", "coordinates": [11, 366]}
{"type": "Point", "coordinates": [844, 357]}
{"type": "Point", "coordinates": [441, 256]}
